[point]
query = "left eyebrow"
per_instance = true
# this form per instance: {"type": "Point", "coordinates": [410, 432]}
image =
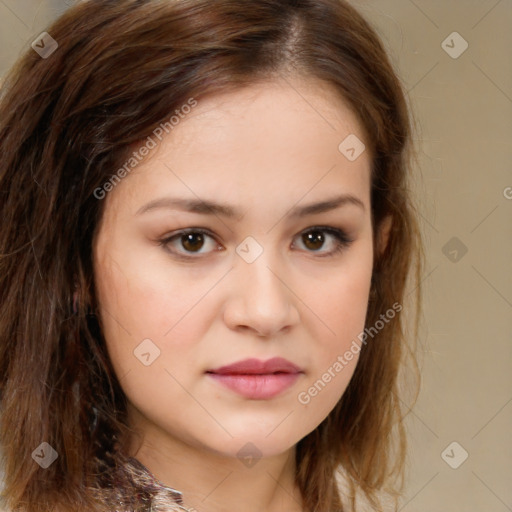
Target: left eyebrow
{"type": "Point", "coordinates": [207, 207]}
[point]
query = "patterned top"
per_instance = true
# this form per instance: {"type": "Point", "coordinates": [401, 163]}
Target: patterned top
{"type": "Point", "coordinates": [154, 495]}
{"type": "Point", "coordinates": [150, 495]}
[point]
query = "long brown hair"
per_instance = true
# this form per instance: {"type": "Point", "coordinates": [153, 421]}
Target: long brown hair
{"type": "Point", "coordinates": [69, 121]}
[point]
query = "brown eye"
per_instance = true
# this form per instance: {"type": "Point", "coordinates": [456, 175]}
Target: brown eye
{"type": "Point", "coordinates": [192, 241]}
{"type": "Point", "coordinates": [188, 242]}
{"type": "Point", "coordinates": [314, 240]}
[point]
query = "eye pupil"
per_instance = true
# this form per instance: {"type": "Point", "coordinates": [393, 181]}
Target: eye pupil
{"type": "Point", "coordinates": [188, 241]}
{"type": "Point", "coordinates": [315, 237]}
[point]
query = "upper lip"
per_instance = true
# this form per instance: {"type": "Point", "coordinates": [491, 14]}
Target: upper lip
{"type": "Point", "coordinates": [258, 367]}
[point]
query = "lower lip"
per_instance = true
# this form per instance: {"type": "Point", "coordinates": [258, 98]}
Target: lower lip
{"type": "Point", "coordinates": [257, 387]}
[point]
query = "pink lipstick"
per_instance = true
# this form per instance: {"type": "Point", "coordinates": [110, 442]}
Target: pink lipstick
{"type": "Point", "coordinates": [256, 379]}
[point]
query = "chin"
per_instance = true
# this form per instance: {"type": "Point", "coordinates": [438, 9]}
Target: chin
{"type": "Point", "coordinates": [256, 444]}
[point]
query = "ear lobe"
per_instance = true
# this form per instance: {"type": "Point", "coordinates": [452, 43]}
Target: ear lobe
{"type": "Point", "coordinates": [383, 233]}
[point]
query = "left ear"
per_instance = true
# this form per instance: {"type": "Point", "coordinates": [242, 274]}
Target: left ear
{"type": "Point", "coordinates": [383, 233]}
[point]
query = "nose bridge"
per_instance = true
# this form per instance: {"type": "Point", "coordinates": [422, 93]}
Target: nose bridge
{"type": "Point", "coordinates": [260, 285]}
{"type": "Point", "coordinates": [258, 268]}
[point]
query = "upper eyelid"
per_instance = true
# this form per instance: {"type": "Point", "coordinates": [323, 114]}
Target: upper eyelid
{"type": "Point", "coordinates": [209, 232]}
{"type": "Point", "coordinates": [331, 230]}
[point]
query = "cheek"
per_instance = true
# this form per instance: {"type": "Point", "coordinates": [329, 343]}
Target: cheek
{"type": "Point", "coordinates": [146, 309]}
{"type": "Point", "coordinates": [148, 300]}
{"type": "Point", "coordinates": [341, 302]}
{"type": "Point", "coordinates": [340, 307]}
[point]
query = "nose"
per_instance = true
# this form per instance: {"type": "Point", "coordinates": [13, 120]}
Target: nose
{"type": "Point", "coordinates": [262, 298]}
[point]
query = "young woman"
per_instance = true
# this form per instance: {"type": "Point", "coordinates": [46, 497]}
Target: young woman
{"type": "Point", "coordinates": [207, 232]}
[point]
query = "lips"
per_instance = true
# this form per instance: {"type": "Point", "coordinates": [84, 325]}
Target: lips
{"type": "Point", "coordinates": [257, 367]}
{"type": "Point", "coordinates": [255, 379]}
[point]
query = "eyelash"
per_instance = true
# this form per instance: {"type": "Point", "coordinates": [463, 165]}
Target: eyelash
{"type": "Point", "coordinates": [343, 241]}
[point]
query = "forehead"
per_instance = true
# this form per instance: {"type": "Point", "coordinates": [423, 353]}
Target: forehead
{"type": "Point", "coordinates": [268, 139]}
{"type": "Point", "coordinates": [280, 110]}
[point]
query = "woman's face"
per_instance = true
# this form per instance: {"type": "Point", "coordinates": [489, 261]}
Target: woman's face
{"type": "Point", "coordinates": [272, 280]}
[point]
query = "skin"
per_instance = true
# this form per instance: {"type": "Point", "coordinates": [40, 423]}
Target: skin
{"type": "Point", "coordinates": [264, 150]}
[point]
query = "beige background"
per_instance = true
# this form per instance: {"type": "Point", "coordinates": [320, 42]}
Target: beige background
{"type": "Point", "coordinates": [463, 106]}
